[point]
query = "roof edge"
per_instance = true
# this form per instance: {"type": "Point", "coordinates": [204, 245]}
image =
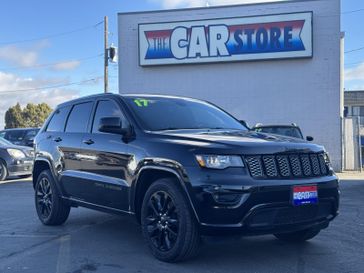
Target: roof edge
{"type": "Point", "coordinates": [214, 7]}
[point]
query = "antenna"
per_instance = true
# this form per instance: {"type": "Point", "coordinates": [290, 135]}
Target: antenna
{"type": "Point", "coordinates": [207, 4]}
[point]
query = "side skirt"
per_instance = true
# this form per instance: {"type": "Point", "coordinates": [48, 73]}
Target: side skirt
{"type": "Point", "coordinates": [76, 202]}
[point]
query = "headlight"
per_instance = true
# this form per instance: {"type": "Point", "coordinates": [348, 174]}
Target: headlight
{"type": "Point", "coordinates": [327, 161]}
{"type": "Point", "coordinates": [219, 161]}
{"type": "Point", "coordinates": [16, 153]}
{"type": "Point", "coordinates": [327, 158]}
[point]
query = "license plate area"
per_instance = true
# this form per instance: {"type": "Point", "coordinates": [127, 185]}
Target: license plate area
{"type": "Point", "coordinates": [304, 195]}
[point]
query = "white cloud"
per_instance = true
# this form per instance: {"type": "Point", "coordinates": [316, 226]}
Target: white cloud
{"type": "Point", "coordinates": [17, 56]}
{"type": "Point", "coordinates": [68, 65]}
{"type": "Point", "coordinates": [169, 4]}
{"type": "Point", "coordinates": [52, 97]}
{"type": "Point", "coordinates": [24, 57]}
{"type": "Point", "coordinates": [356, 73]}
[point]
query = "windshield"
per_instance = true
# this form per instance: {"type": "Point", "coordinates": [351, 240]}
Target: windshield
{"type": "Point", "coordinates": [283, 131]}
{"type": "Point", "coordinates": [5, 142]}
{"type": "Point", "coordinates": [157, 113]}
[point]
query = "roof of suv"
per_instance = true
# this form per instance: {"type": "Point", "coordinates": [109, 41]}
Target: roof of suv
{"type": "Point", "coordinates": [110, 95]}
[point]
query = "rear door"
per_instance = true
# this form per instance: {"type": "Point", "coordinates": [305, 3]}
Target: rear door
{"type": "Point", "coordinates": [68, 144]}
{"type": "Point", "coordinates": [105, 158]}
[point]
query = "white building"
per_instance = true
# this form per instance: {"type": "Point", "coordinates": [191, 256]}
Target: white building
{"type": "Point", "coordinates": [272, 63]}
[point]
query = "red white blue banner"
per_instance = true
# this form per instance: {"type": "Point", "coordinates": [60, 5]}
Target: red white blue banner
{"type": "Point", "coordinates": [223, 40]}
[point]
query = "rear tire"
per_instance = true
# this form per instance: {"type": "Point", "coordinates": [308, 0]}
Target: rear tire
{"type": "Point", "coordinates": [51, 208]}
{"type": "Point", "coordinates": [3, 171]}
{"type": "Point", "coordinates": [298, 236]}
{"type": "Point", "coordinates": [168, 223]}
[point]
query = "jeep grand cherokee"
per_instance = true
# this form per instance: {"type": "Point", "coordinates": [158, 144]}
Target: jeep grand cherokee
{"type": "Point", "coordinates": [184, 168]}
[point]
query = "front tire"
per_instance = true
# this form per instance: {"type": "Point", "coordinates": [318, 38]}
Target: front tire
{"type": "Point", "coordinates": [3, 171]}
{"type": "Point", "coordinates": [51, 208]}
{"type": "Point", "coordinates": [298, 236]}
{"type": "Point", "coordinates": [168, 224]}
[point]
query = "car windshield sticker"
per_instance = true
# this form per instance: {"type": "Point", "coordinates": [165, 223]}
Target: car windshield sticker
{"type": "Point", "coordinates": [141, 102]}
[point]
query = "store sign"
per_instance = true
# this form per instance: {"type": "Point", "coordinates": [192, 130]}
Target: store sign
{"type": "Point", "coordinates": [224, 40]}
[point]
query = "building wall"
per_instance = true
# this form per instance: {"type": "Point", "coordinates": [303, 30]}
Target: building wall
{"type": "Point", "coordinates": [304, 91]}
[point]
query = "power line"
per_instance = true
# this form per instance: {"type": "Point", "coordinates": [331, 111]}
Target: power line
{"type": "Point", "coordinates": [355, 63]}
{"type": "Point", "coordinates": [352, 11]}
{"type": "Point", "coordinates": [50, 64]}
{"type": "Point", "coordinates": [354, 50]}
{"type": "Point", "coordinates": [52, 35]}
{"type": "Point", "coordinates": [48, 87]}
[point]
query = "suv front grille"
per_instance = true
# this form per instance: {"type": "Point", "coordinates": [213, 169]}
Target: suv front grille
{"type": "Point", "coordinates": [287, 166]}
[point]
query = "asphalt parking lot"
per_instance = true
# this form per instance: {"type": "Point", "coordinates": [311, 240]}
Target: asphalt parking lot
{"type": "Point", "coordinates": [96, 242]}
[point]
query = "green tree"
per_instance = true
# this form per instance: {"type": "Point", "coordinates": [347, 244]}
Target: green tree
{"type": "Point", "coordinates": [13, 117]}
{"type": "Point", "coordinates": [33, 115]}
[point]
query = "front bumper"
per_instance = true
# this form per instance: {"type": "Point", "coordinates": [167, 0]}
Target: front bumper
{"type": "Point", "coordinates": [261, 207]}
{"type": "Point", "coordinates": [21, 167]}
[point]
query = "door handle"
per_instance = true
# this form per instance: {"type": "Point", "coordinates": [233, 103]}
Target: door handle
{"type": "Point", "coordinates": [88, 142]}
{"type": "Point", "coordinates": [57, 139]}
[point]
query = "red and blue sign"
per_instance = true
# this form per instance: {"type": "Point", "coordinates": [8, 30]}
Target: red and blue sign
{"type": "Point", "coordinates": [233, 39]}
{"type": "Point", "coordinates": [303, 195]}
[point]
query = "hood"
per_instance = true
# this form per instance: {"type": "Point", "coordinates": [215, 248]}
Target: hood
{"type": "Point", "coordinates": [29, 152]}
{"type": "Point", "coordinates": [248, 142]}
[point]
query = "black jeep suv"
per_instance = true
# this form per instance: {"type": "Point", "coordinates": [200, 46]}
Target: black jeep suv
{"type": "Point", "coordinates": [184, 168]}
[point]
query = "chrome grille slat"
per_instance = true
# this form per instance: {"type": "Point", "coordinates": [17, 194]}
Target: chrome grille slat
{"type": "Point", "coordinates": [287, 166]}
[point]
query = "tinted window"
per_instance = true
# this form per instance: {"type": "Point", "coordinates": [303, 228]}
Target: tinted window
{"type": "Point", "coordinates": [4, 142]}
{"type": "Point", "coordinates": [155, 113]}
{"type": "Point", "coordinates": [58, 120]}
{"type": "Point", "coordinates": [78, 119]}
{"type": "Point", "coordinates": [106, 108]}
{"type": "Point", "coordinates": [31, 133]}
{"type": "Point", "coordinates": [2, 134]}
{"type": "Point", "coordinates": [16, 135]}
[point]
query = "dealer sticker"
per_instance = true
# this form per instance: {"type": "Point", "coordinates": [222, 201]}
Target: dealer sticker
{"type": "Point", "coordinates": [305, 195]}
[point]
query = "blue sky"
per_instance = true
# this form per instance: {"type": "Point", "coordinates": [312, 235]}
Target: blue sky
{"type": "Point", "coordinates": [22, 64]}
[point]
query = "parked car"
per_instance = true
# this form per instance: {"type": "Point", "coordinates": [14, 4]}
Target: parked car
{"type": "Point", "coordinates": [20, 136]}
{"type": "Point", "coordinates": [15, 160]}
{"type": "Point", "coordinates": [184, 168]}
{"type": "Point", "coordinates": [291, 130]}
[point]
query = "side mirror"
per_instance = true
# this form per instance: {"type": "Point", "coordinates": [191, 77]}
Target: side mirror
{"type": "Point", "coordinates": [111, 125]}
{"type": "Point", "coordinates": [243, 122]}
{"type": "Point", "coordinates": [309, 138]}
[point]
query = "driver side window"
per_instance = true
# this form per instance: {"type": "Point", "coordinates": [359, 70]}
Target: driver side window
{"type": "Point", "coordinates": [107, 108]}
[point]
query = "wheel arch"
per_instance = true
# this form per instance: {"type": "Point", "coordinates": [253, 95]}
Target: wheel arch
{"type": "Point", "coordinates": [146, 177]}
{"type": "Point", "coordinates": [40, 165]}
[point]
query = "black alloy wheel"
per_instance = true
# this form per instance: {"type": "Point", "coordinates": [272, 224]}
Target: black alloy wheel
{"type": "Point", "coordinates": [52, 210]}
{"type": "Point", "coordinates": [169, 224]}
{"type": "Point", "coordinates": [44, 198]}
{"type": "Point", "coordinates": [162, 221]}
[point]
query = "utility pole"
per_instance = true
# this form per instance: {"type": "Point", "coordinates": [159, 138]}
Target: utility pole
{"type": "Point", "coordinates": [106, 65]}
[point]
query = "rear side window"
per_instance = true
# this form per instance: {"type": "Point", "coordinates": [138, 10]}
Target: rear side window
{"type": "Point", "coordinates": [106, 108]}
{"type": "Point", "coordinates": [58, 120]}
{"type": "Point", "coordinates": [78, 119]}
